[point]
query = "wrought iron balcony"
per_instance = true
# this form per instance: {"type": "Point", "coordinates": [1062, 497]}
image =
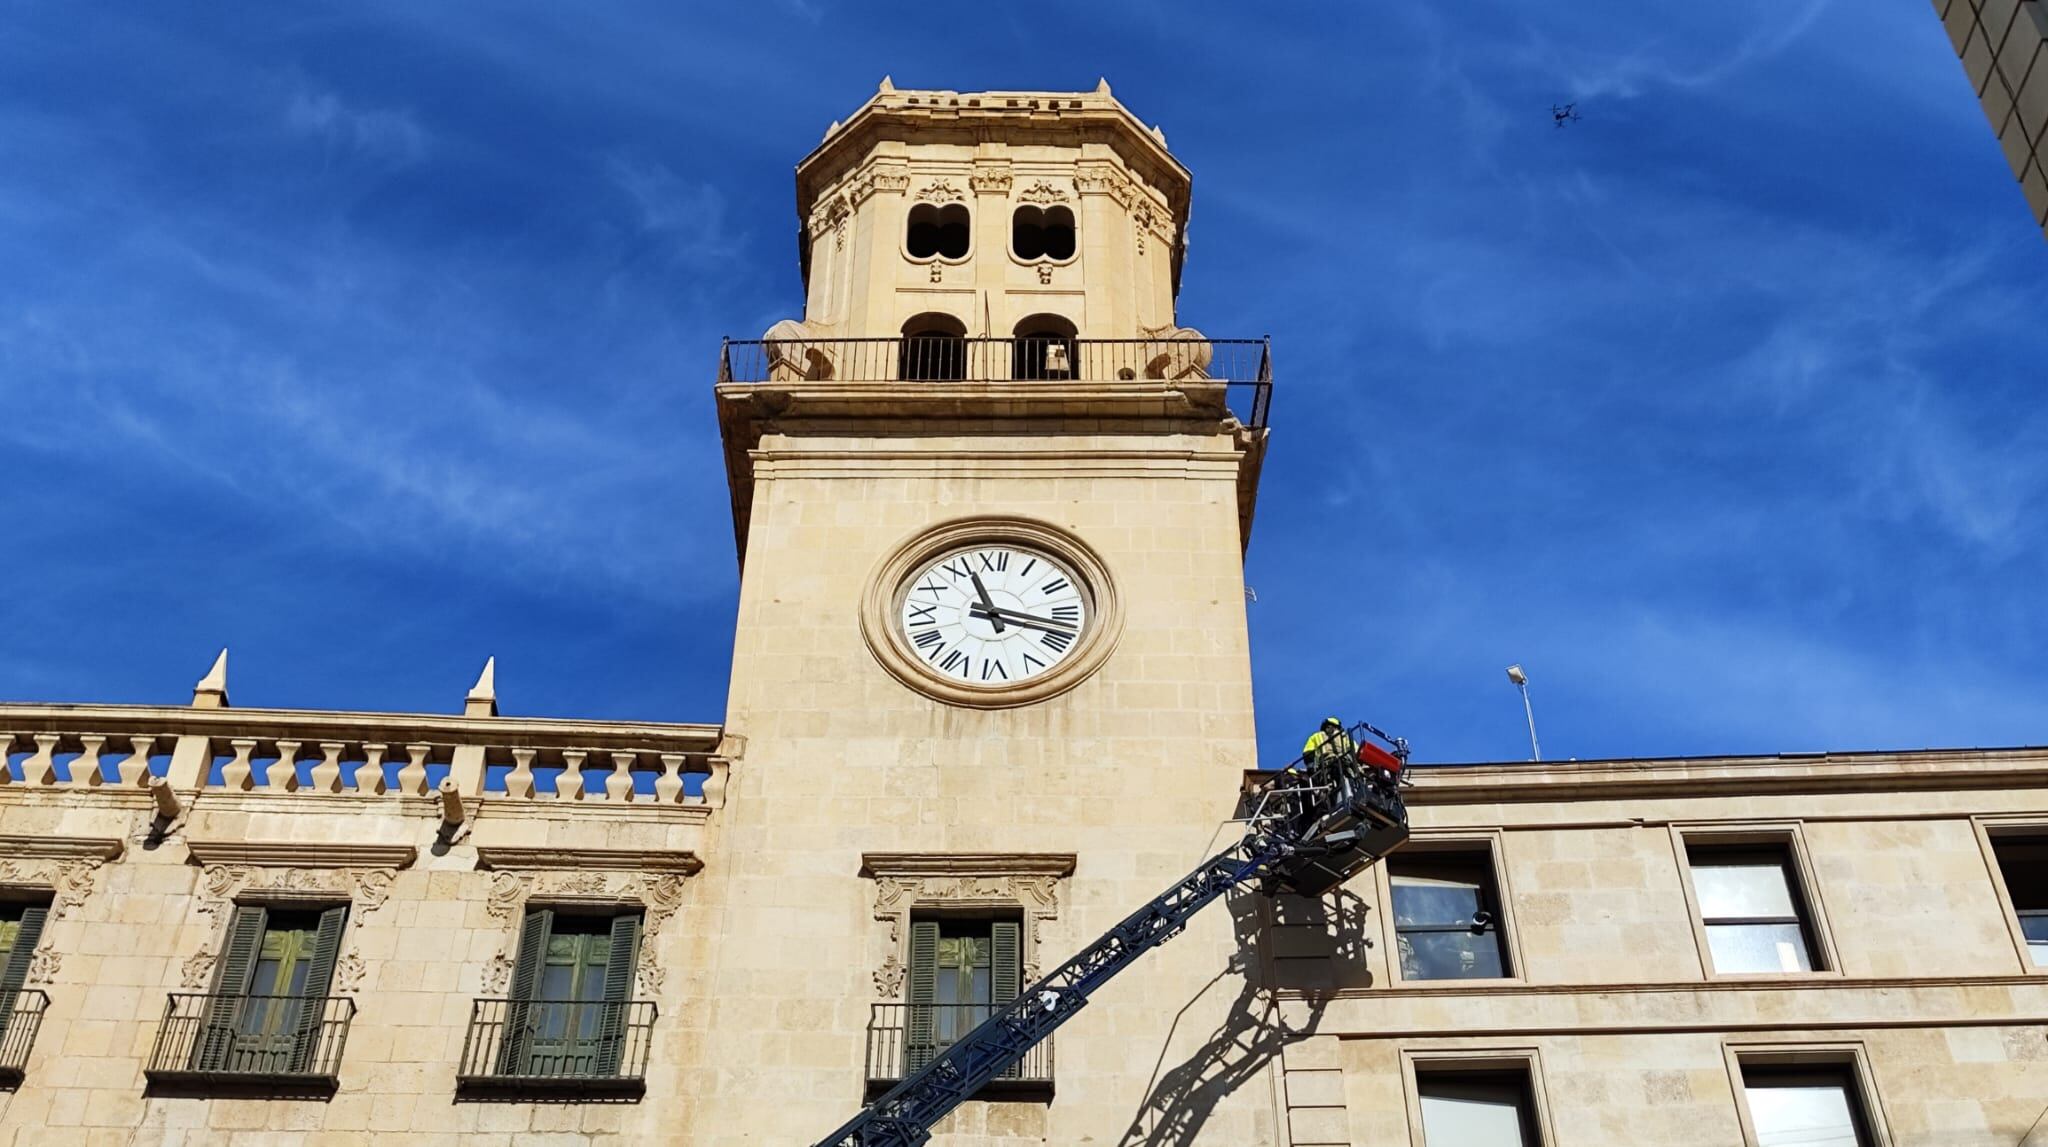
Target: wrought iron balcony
{"type": "Point", "coordinates": [557, 1045]}
{"type": "Point", "coordinates": [278, 1042]}
{"type": "Point", "coordinates": [1244, 366]}
{"type": "Point", "coordinates": [21, 1016]}
{"type": "Point", "coordinates": [904, 1037]}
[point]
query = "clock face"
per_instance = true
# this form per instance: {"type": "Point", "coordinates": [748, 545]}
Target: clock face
{"type": "Point", "coordinates": [992, 615]}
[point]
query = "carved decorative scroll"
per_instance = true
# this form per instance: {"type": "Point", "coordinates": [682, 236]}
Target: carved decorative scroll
{"type": "Point", "coordinates": [905, 882]}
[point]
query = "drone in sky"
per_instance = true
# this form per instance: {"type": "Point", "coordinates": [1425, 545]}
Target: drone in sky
{"type": "Point", "coordinates": [1562, 114]}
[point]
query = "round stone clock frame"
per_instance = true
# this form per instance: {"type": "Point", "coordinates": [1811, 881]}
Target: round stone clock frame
{"type": "Point", "coordinates": [882, 610]}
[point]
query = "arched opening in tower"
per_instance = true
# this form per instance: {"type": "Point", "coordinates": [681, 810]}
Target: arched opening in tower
{"type": "Point", "coordinates": [934, 348]}
{"type": "Point", "coordinates": [1044, 347]}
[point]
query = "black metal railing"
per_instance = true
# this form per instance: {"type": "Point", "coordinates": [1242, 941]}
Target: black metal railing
{"type": "Point", "coordinates": [210, 1037]}
{"type": "Point", "coordinates": [904, 1037]}
{"type": "Point", "coordinates": [21, 1016]}
{"type": "Point", "coordinates": [1245, 364]}
{"type": "Point", "coordinates": [577, 1044]}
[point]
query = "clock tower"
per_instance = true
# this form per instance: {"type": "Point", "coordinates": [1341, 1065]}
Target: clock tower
{"type": "Point", "coordinates": [991, 687]}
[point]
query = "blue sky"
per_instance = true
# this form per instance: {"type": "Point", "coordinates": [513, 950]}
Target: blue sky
{"type": "Point", "coordinates": [370, 340]}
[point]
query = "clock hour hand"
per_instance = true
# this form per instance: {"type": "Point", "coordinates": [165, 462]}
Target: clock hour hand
{"type": "Point", "coordinates": [988, 607]}
{"type": "Point", "coordinates": [1023, 619]}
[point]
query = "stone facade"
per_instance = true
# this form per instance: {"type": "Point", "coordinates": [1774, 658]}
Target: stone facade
{"type": "Point", "coordinates": [778, 860]}
{"type": "Point", "coordinates": [2003, 45]}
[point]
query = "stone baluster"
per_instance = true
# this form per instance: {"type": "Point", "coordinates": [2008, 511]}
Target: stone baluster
{"type": "Point", "coordinates": [412, 778]}
{"type": "Point", "coordinates": [6, 751]}
{"type": "Point", "coordinates": [569, 785]}
{"type": "Point", "coordinates": [369, 776]}
{"type": "Point", "coordinates": [134, 768]}
{"type": "Point", "coordinates": [85, 768]}
{"type": "Point", "coordinates": [288, 761]}
{"type": "Point", "coordinates": [714, 785]}
{"type": "Point", "coordinates": [41, 768]}
{"type": "Point", "coordinates": [236, 773]}
{"type": "Point", "coordinates": [668, 787]}
{"type": "Point", "coordinates": [325, 777]}
{"type": "Point", "coordinates": [618, 784]}
{"type": "Point", "coordinates": [519, 782]}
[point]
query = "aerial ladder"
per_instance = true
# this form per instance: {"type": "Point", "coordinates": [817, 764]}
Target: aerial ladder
{"type": "Point", "coordinates": [1308, 828]}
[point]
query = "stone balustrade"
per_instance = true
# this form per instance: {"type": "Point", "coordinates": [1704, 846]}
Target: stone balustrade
{"type": "Point", "coordinates": [365, 755]}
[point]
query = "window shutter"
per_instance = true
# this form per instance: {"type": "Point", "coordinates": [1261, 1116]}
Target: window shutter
{"type": "Point", "coordinates": [215, 1040]}
{"type": "Point", "coordinates": [618, 993]}
{"type": "Point", "coordinates": [922, 1036]}
{"type": "Point", "coordinates": [313, 1006]}
{"type": "Point", "coordinates": [518, 1034]}
{"type": "Point", "coordinates": [15, 973]}
{"type": "Point", "coordinates": [1006, 961]}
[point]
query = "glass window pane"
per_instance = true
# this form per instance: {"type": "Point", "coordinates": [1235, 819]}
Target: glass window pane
{"type": "Point", "coordinates": [1429, 900]}
{"type": "Point", "coordinates": [2024, 864]}
{"type": "Point", "coordinates": [264, 982]}
{"type": "Point", "coordinates": [9, 929]}
{"type": "Point", "coordinates": [1471, 1115]}
{"type": "Point", "coordinates": [557, 981]}
{"type": "Point", "coordinates": [1742, 890]}
{"type": "Point", "coordinates": [2035, 928]}
{"type": "Point", "coordinates": [1758, 948]}
{"type": "Point", "coordinates": [1450, 956]}
{"type": "Point", "coordinates": [1805, 1115]}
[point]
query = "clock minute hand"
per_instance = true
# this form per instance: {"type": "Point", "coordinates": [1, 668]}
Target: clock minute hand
{"type": "Point", "coordinates": [1023, 619]}
{"type": "Point", "coordinates": [986, 604]}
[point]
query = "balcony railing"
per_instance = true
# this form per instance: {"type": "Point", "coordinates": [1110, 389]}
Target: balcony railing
{"type": "Point", "coordinates": [1243, 365]}
{"type": "Point", "coordinates": [282, 1041]}
{"type": "Point", "coordinates": [575, 1045]}
{"type": "Point", "coordinates": [904, 1037]}
{"type": "Point", "coordinates": [21, 1016]}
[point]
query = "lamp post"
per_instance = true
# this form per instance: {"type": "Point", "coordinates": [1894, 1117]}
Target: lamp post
{"type": "Point", "coordinates": [1521, 681]}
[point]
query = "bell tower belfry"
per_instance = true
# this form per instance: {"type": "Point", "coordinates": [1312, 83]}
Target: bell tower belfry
{"type": "Point", "coordinates": [991, 682]}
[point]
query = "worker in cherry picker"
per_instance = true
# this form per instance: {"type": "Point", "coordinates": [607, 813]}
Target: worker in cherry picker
{"type": "Point", "coordinates": [1327, 744]}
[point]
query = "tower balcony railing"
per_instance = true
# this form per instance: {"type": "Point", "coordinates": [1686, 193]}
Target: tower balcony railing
{"type": "Point", "coordinates": [289, 1043]}
{"type": "Point", "coordinates": [905, 1037]}
{"type": "Point", "coordinates": [1243, 366]}
{"type": "Point", "coordinates": [525, 1045]}
{"type": "Point", "coordinates": [21, 1016]}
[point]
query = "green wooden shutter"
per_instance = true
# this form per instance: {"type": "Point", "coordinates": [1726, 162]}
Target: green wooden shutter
{"type": "Point", "coordinates": [15, 973]}
{"type": "Point", "coordinates": [518, 1035]}
{"type": "Point", "coordinates": [313, 1009]}
{"type": "Point", "coordinates": [1006, 961]}
{"type": "Point", "coordinates": [922, 1034]}
{"type": "Point", "coordinates": [215, 1039]}
{"type": "Point", "coordinates": [618, 993]}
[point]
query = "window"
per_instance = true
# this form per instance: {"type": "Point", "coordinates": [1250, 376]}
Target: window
{"type": "Point", "coordinates": [1447, 919]}
{"type": "Point", "coordinates": [1751, 908]}
{"type": "Point", "coordinates": [960, 970]}
{"type": "Point", "coordinates": [1044, 348]}
{"type": "Point", "coordinates": [268, 1011]}
{"type": "Point", "coordinates": [2023, 862]}
{"type": "Point", "coordinates": [934, 349]}
{"type": "Point", "coordinates": [572, 988]}
{"type": "Point", "coordinates": [1042, 233]}
{"type": "Point", "coordinates": [1804, 1106]}
{"type": "Point", "coordinates": [21, 928]}
{"type": "Point", "coordinates": [1463, 1108]}
{"type": "Point", "coordinates": [938, 232]}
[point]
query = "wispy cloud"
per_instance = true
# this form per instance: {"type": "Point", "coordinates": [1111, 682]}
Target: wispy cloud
{"type": "Point", "coordinates": [385, 134]}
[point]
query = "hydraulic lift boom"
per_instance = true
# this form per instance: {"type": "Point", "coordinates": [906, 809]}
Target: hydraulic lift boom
{"type": "Point", "coordinates": [1308, 827]}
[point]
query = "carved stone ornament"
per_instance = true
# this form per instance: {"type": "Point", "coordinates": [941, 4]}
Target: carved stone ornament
{"type": "Point", "coordinates": [508, 891]}
{"type": "Point", "coordinates": [1043, 191]}
{"type": "Point", "coordinates": [349, 971]}
{"type": "Point", "coordinates": [42, 967]}
{"type": "Point", "coordinates": [366, 889]}
{"type": "Point", "coordinates": [831, 216]}
{"type": "Point", "coordinates": [1045, 274]}
{"type": "Point", "coordinates": [990, 181]}
{"type": "Point", "coordinates": [877, 178]}
{"type": "Point", "coordinates": [198, 966]}
{"type": "Point", "coordinates": [941, 191]}
{"type": "Point", "coordinates": [1106, 181]}
{"type": "Point", "coordinates": [70, 882]}
{"type": "Point", "coordinates": [658, 895]}
{"type": "Point", "coordinates": [905, 882]}
{"type": "Point", "coordinates": [498, 973]}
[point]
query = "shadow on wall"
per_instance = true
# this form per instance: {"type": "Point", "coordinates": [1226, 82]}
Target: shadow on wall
{"type": "Point", "coordinates": [1181, 1098]}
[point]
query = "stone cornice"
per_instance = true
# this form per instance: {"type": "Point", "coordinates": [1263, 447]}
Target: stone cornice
{"type": "Point", "coordinates": [300, 854]}
{"type": "Point", "coordinates": [313, 725]}
{"type": "Point", "coordinates": [645, 860]}
{"type": "Point", "coordinates": [61, 847]}
{"type": "Point", "coordinates": [901, 864]}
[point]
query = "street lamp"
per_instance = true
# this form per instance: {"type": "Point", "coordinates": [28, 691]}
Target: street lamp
{"type": "Point", "coordinates": [1521, 681]}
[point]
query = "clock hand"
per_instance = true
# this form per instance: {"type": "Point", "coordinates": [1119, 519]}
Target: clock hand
{"type": "Point", "coordinates": [985, 602]}
{"type": "Point", "coordinates": [1023, 619]}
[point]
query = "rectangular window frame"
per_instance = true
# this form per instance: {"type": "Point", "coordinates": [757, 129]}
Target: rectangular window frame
{"type": "Point", "coordinates": [1484, 1059]}
{"type": "Point", "coordinates": [1492, 842]}
{"type": "Point", "coordinates": [1788, 835]}
{"type": "Point", "coordinates": [1849, 1054]}
{"type": "Point", "coordinates": [1989, 829]}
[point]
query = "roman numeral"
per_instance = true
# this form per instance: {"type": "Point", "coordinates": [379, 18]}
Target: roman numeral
{"type": "Point", "coordinates": [996, 666]}
{"type": "Point", "coordinates": [929, 640]}
{"type": "Point", "coordinates": [927, 614]}
{"type": "Point", "coordinates": [962, 572]}
{"type": "Point", "coordinates": [1057, 642]}
{"type": "Point", "coordinates": [1054, 586]}
{"type": "Point", "coordinates": [1030, 661]}
{"type": "Point", "coordinates": [932, 587]}
{"type": "Point", "coordinates": [1069, 612]}
{"type": "Point", "coordinates": [1026, 571]}
{"type": "Point", "coordinates": [955, 660]}
{"type": "Point", "coordinates": [999, 563]}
